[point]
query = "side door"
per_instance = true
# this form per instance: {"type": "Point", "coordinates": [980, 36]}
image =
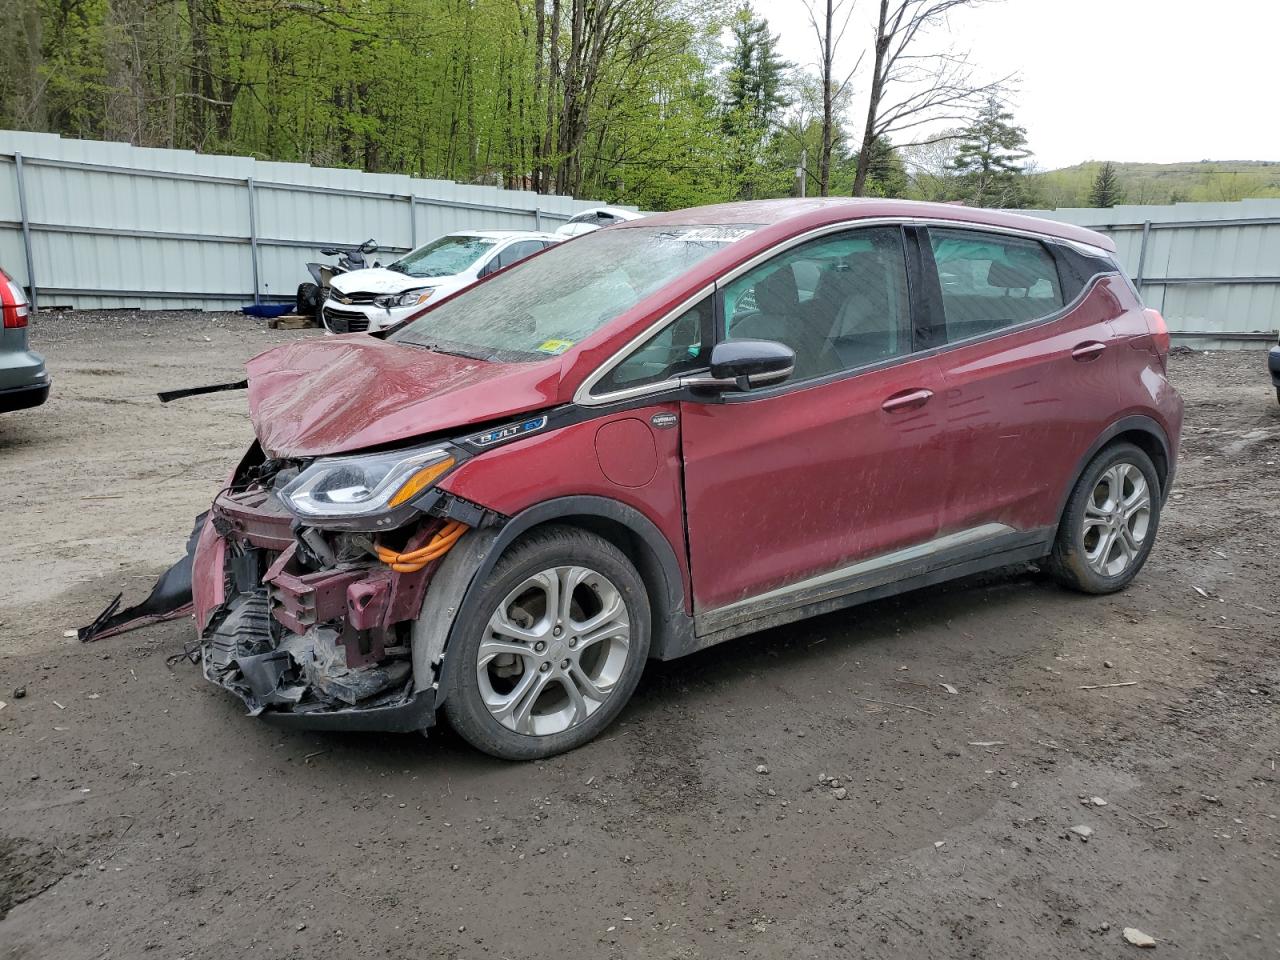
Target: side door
{"type": "Point", "coordinates": [1029, 361]}
{"type": "Point", "coordinates": [841, 464]}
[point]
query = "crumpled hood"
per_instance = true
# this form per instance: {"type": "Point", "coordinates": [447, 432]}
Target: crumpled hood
{"type": "Point", "coordinates": [315, 397]}
{"type": "Point", "coordinates": [380, 280]}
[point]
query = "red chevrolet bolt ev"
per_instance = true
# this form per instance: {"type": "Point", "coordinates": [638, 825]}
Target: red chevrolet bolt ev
{"type": "Point", "coordinates": [660, 436]}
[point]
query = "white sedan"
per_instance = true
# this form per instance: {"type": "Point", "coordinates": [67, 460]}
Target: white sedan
{"type": "Point", "coordinates": [379, 297]}
{"type": "Point", "coordinates": [595, 218]}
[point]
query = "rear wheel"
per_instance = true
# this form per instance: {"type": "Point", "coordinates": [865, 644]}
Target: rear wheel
{"type": "Point", "coordinates": [555, 649]}
{"type": "Point", "coordinates": [1110, 523]}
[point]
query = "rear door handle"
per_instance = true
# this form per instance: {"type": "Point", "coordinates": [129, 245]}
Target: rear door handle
{"type": "Point", "coordinates": [1089, 350]}
{"type": "Point", "coordinates": [906, 400]}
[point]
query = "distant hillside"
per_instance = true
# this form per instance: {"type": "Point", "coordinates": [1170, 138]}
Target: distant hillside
{"type": "Point", "coordinates": [1220, 180]}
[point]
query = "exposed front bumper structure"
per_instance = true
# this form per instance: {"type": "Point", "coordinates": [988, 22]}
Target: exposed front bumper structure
{"type": "Point", "coordinates": [310, 631]}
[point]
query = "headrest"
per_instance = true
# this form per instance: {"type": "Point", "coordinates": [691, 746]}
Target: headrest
{"type": "Point", "coordinates": [1001, 274]}
{"type": "Point", "coordinates": [777, 293]}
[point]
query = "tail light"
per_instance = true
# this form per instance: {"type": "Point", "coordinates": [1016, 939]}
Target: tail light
{"type": "Point", "coordinates": [13, 304]}
{"type": "Point", "coordinates": [1159, 331]}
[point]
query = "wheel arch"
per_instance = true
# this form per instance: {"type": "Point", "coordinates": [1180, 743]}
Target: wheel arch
{"type": "Point", "coordinates": [1143, 432]}
{"type": "Point", "coordinates": [456, 585]}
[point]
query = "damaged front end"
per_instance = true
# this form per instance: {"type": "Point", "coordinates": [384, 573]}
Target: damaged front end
{"type": "Point", "coordinates": [310, 576]}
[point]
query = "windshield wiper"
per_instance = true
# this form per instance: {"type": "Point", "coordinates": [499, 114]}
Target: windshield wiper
{"type": "Point", "coordinates": [453, 351]}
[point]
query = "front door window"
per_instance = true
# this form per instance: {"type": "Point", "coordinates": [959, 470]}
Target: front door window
{"type": "Point", "coordinates": [839, 302]}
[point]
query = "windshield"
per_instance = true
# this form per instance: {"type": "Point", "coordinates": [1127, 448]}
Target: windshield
{"type": "Point", "coordinates": [443, 257]}
{"type": "Point", "coordinates": [550, 302]}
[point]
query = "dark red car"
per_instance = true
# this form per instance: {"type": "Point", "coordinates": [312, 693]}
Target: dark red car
{"type": "Point", "coordinates": [660, 436]}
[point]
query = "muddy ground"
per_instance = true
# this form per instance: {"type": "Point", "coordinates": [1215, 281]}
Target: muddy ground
{"type": "Point", "coordinates": [141, 814]}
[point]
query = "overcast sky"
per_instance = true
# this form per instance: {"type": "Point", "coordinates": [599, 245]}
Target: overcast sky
{"type": "Point", "coordinates": [1154, 80]}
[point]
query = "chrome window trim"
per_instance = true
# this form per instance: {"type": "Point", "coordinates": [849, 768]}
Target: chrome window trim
{"type": "Point", "coordinates": [584, 397]}
{"type": "Point", "coordinates": [1025, 324]}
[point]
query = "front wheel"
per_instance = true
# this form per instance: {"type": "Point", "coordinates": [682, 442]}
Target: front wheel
{"type": "Point", "coordinates": [1110, 523]}
{"type": "Point", "coordinates": [554, 649]}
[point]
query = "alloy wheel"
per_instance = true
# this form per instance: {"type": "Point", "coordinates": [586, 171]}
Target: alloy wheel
{"type": "Point", "coordinates": [1117, 517]}
{"type": "Point", "coordinates": [553, 650]}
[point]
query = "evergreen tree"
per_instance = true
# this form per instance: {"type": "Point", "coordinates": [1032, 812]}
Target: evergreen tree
{"type": "Point", "coordinates": [1106, 190]}
{"type": "Point", "coordinates": [989, 158]}
{"type": "Point", "coordinates": [886, 173]}
{"type": "Point", "coordinates": [754, 96]}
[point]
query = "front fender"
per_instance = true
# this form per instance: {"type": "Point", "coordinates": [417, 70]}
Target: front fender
{"type": "Point", "coordinates": [454, 592]}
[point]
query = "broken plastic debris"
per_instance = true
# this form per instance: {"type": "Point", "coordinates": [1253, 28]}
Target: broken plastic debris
{"type": "Point", "coordinates": [169, 598]}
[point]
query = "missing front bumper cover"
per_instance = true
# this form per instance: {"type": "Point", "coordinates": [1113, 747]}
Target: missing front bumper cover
{"type": "Point", "coordinates": [268, 669]}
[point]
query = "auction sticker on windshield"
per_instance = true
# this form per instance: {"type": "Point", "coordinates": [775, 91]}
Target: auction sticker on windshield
{"type": "Point", "coordinates": [555, 347]}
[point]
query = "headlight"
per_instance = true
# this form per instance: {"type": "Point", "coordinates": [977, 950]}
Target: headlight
{"type": "Point", "coordinates": [410, 298]}
{"type": "Point", "coordinates": [368, 492]}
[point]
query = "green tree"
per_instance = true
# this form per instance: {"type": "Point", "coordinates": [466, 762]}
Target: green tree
{"type": "Point", "coordinates": [753, 101]}
{"type": "Point", "coordinates": [989, 158]}
{"type": "Point", "coordinates": [1106, 191]}
{"type": "Point", "coordinates": [885, 173]}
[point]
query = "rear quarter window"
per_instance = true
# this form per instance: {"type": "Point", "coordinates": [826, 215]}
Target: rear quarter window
{"type": "Point", "coordinates": [1078, 269]}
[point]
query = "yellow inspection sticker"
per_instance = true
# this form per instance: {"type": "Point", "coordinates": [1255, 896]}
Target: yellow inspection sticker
{"type": "Point", "coordinates": [555, 346]}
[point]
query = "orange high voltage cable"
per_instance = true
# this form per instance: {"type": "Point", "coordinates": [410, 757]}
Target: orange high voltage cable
{"type": "Point", "coordinates": [415, 560]}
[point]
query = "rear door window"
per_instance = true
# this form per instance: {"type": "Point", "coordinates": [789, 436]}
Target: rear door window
{"type": "Point", "coordinates": [991, 282]}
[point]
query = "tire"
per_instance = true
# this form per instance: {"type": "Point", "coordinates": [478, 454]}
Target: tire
{"type": "Point", "coordinates": [1103, 542]}
{"type": "Point", "coordinates": [515, 699]}
{"type": "Point", "coordinates": [307, 299]}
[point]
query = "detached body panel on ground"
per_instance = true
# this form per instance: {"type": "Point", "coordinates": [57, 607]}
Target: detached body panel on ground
{"type": "Point", "coordinates": [669, 433]}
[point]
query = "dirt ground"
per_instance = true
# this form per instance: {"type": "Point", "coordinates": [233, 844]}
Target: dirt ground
{"type": "Point", "coordinates": [142, 814]}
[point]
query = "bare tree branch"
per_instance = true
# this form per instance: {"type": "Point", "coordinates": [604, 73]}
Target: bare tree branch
{"type": "Point", "coordinates": [928, 87]}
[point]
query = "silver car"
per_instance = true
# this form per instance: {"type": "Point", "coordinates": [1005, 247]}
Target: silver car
{"type": "Point", "coordinates": [24, 382]}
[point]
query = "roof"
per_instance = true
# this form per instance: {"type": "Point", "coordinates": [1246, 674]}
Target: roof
{"type": "Point", "coordinates": [806, 213]}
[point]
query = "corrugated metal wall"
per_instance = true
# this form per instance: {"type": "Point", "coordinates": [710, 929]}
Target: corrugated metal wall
{"type": "Point", "coordinates": [1212, 269]}
{"type": "Point", "coordinates": [112, 225]}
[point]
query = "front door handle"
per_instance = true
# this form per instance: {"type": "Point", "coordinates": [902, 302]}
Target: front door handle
{"type": "Point", "coordinates": [1089, 350]}
{"type": "Point", "coordinates": [906, 400]}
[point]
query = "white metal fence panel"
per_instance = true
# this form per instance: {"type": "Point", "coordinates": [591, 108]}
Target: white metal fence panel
{"type": "Point", "coordinates": [1212, 269]}
{"type": "Point", "coordinates": [90, 224]}
{"type": "Point", "coordinates": [98, 224]}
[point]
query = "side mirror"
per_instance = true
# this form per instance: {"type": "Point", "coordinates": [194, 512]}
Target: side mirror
{"type": "Point", "coordinates": [747, 364]}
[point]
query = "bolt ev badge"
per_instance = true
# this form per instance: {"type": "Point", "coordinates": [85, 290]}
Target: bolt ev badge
{"type": "Point", "coordinates": [509, 432]}
{"type": "Point", "coordinates": [664, 421]}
